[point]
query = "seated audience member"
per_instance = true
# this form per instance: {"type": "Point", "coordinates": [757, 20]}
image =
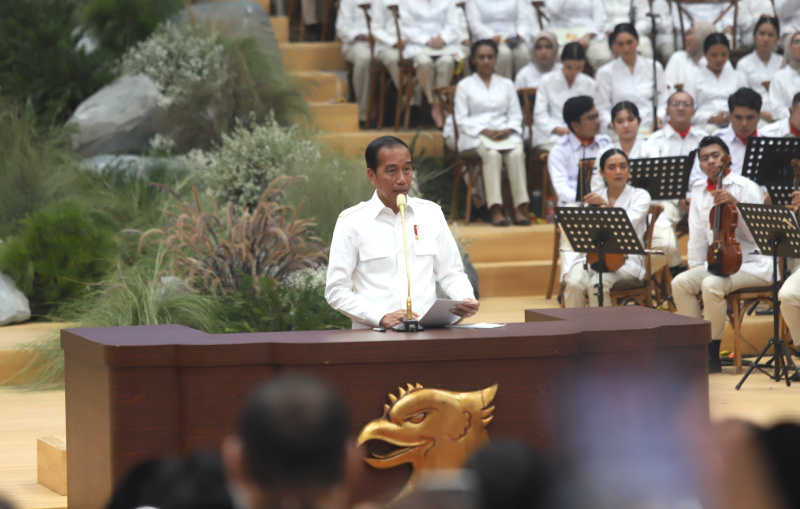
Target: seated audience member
{"type": "Point", "coordinates": [508, 23]}
{"type": "Point", "coordinates": [788, 13]}
{"type": "Point", "coordinates": [786, 82]}
{"type": "Point", "coordinates": [758, 67]}
{"type": "Point", "coordinates": [747, 14]}
{"type": "Point", "coordinates": [713, 84]}
{"type": "Point", "coordinates": [665, 35]}
{"type": "Point", "coordinates": [620, 11]}
{"type": "Point", "coordinates": [351, 29]}
{"type": "Point", "coordinates": [580, 279]}
{"type": "Point", "coordinates": [554, 91]}
{"type": "Point", "coordinates": [434, 43]}
{"type": "Point", "coordinates": [744, 106]}
{"type": "Point", "coordinates": [625, 121]}
{"type": "Point", "coordinates": [756, 270]}
{"type": "Point", "coordinates": [786, 128]}
{"type": "Point", "coordinates": [684, 63]}
{"type": "Point", "coordinates": [543, 61]}
{"type": "Point", "coordinates": [512, 476]}
{"type": "Point", "coordinates": [584, 20]}
{"type": "Point", "coordinates": [487, 111]}
{"type": "Point", "coordinates": [289, 448]}
{"type": "Point", "coordinates": [629, 77]}
{"type": "Point", "coordinates": [384, 31]}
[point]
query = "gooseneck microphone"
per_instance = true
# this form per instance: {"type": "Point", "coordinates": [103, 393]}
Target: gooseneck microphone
{"type": "Point", "coordinates": [409, 324]}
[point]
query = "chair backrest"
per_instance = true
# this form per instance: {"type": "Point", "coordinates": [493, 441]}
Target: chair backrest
{"type": "Point", "coordinates": [366, 7]}
{"type": "Point", "coordinates": [652, 214]}
{"type": "Point", "coordinates": [526, 98]}
{"type": "Point", "coordinates": [446, 96]}
{"type": "Point", "coordinates": [682, 12]}
{"type": "Point", "coordinates": [463, 6]}
{"type": "Point", "coordinates": [396, 15]}
{"type": "Point", "coordinates": [541, 14]}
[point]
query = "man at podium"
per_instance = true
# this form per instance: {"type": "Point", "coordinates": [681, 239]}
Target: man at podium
{"type": "Point", "coordinates": [367, 278]}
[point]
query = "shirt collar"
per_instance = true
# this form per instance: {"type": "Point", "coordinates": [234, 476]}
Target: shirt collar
{"type": "Point", "coordinates": [575, 143]}
{"type": "Point", "coordinates": [683, 134]}
{"type": "Point", "coordinates": [376, 206]}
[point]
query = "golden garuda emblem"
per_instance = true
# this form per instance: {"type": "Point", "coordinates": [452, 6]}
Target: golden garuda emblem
{"type": "Point", "coordinates": [430, 428]}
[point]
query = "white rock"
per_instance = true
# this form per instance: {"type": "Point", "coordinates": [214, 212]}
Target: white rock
{"type": "Point", "coordinates": [14, 307]}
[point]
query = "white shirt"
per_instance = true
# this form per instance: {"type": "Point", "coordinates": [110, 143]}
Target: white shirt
{"type": "Point", "coordinates": [701, 236]}
{"type": "Point", "coordinates": [548, 108]}
{"type": "Point", "coordinates": [788, 13]}
{"type": "Point", "coordinates": [782, 89]}
{"type": "Point", "coordinates": [737, 147]}
{"type": "Point", "coordinates": [636, 202]}
{"type": "Point", "coordinates": [578, 13]}
{"type": "Point", "coordinates": [350, 23]}
{"type": "Point", "coordinates": [777, 129]}
{"type": "Point", "coordinates": [619, 11]}
{"type": "Point", "coordinates": [755, 73]}
{"type": "Point", "coordinates": [562, 164]}
{"type": "Point", "coordinates": [531, 77]}
{"type": "Point", "coordinates": [679, 66]}
{"type": "Point", "coordinates": [383, 28]}
{"type": "Point", "coordinates": [478, 107]}
{"type": "Point", "coordinates": [667, 142]}
{"type": "Point", "coordinates": [616, 83]}
{"type": "Point", "coordinates": [421, 20]}
{"type": "Point", "coordinates": [367, 270]}
{"type": "Point", "coordinates": [710, 92]}
{"type": "Point", "coordinates": [506, 18]}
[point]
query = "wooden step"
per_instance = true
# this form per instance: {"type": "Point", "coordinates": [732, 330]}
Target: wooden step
{"type": "Point", "coordinates": [280, 25]}
{"type": "Point", "coordinates": [509, 279]}
{"type": "Point", "coordinates": [353, 144]}
{"type": "Point", "coordinates": [488, 244]}
{"type": "Point", "coordinates": [320, 85]}
{"type": "Point", "coordinates": [335, 117]}
{"type": "Point", "coordinates": [312, 56]}
{"type": "Point", "coordinates": [51, 463]}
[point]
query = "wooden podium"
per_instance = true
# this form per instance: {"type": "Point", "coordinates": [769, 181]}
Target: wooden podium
{"type": "Point", "coordinates": [136, 393]}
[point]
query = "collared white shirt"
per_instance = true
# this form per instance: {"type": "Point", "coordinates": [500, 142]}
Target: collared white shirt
{"type": "Point", "coordinates": [755, 73]}
{"type": "Point", "coordinates": [367, 270]}
{"type": "Point", "coordinates": [667, 142]}
{"type": "Point", "coordinates": [421, 20]}
{"type": "Point", "coordinates": [679, 66]}
{"type": "Point", "coordinates": [562, 164]}
{"type": "Point", "coordinates": [778, 129]}
{"type": "Point", "coordinates": [548, 108]}
{"type": "Point", "coordinates": [478, 107]}
{"type": "Point", "coordinates": [711, 92]}
{"type": "Point", "coordinates": [531, 77]}
{"type": "Point", "coordinates": [383, 28]}
{"type": "Point", "coordinates": [737, 147]}
{"type": "Point", "coordinates": [788, 13]}
{"type": "Point", "coordinates": [619, 11]}
{"type": "Point", "coordinates": [636, 202]}
{"type": "Point", "coordinates": [578, 13]}
{"type": "Point", "coordinates": [350, 23]}
{"type": "Point", "coordinates": [506, 18]}
{"type": "Point", "coordinates": [616, 83]}
{"type": "Point", "coordinates": [782, 89]}
{"type": "Point", "coordinates": [701, 236]}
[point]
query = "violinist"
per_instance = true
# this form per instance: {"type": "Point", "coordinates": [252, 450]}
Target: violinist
{"type": "Point", "coordinates": [581, 279]}
{"type": "Point", "coordinates": [756, 270]}
{"type": "Point", "coordinates": [789, 294]}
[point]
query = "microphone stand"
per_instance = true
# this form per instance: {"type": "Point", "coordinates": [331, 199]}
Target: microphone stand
{"type": "Point", "coordinates": [655, 82]}
{"type": "Point", "coordinates": [409, 324]}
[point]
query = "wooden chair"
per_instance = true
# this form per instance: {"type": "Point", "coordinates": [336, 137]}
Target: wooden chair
{"type": "Point", "coordinates": [683, 13]}
{"type": "Point", "coordinates": [541, 14]}
{"type": "Point", "coordinates": [739, 303]}
{"type": "Point", "coordinates": [378, 76]}
{"type": "Point", "coordinates": [463, 6]}
{"type": "Point", "coordinates": [639, 292]}
{"type": "Point", "coordinates": [467, 160]}
{"type": "Point", "coordinates": [407, 79]}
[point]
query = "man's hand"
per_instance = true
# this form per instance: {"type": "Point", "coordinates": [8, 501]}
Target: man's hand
{"type": "Point", "coordinates": [796, 198]}
{"type": "Point", "coordinates": [720, 119]}
{"type": "Point", "coordinates": [561, 131]}
{"type": "Point", "coordinates": [436, 42]}
{"type": "Point", "coordinates": [684, 203]}
{"type": "Point", "coordinates": [584, 41]}
{"type": "Point", "coordinates": [722, 196]}
{"type": "Point", "coordinates": [389, 320]}
{"type": "Point", "coordinates": [767, 198]}
{"type": "Point", "coordinates": [497, 134]}
{"type": "Point", "coordinates": [497, 39]}
{"type": "Point", "coordinates": [364, 37]}
{"type": "Point", "coordinates": [467, 309]}
{"type": "Point", "coordinates": [595, 199]}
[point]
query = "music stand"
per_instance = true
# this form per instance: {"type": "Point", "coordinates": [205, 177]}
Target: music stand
{"type": "Point", "coordinates": [601, 230]}
{"type": "Point", "coordinates": [665, 178]}
{"type": "Point", "coordinates": [775, 230]}
{"type": "Point", "coordinates": [768, 163]}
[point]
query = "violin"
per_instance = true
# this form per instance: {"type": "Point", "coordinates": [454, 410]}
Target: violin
{"type": "Point", "coordinates": [796, 168]}
{"type": "Point", "coordinates": [614, 261]}
{"type": "Point", "coordinates": [724, 254]}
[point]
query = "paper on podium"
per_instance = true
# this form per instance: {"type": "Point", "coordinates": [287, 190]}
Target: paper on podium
{"type": "Point", "coordinates": [439, 314]}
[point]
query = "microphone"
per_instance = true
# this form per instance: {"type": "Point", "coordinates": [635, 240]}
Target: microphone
{"type": "Point", "coordinates": [409, 324]}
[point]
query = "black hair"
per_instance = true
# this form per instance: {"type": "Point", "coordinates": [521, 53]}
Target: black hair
{"type": "Point", "coordinates": [374, 148]}
{"type": "Point", "coordinates": [768, 19]}
{"type": "Point", "coordinates": [712, 140]}
{"type": "Point", "coordinates": [623, 28]}
{"type": "Point", "coordinates": [781, 447]}
{"type": "Point", "coordinates": [714, 39]}
{"type": "Point", "coordinates": [625, 106]}
{"type": "Point", "coordinates": [608, 153]}
{"type": "Point", "coordinates": [575, 107]}
{"type": "Point", "coordinates": [293, 431]}
{"type": "Point", "coordinates": [573, 51]}
{"type": "Point", "coordinates": [796, 99]}
{"type": "Point", "coordinates": [669, 100]}
{"type": "Point", "coordinates": [474, 49]}
{"type": "Point", "coordinates": [745, 97]}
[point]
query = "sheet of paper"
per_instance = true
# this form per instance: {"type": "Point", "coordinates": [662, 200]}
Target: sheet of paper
{"type": "Point", "coordinates": [506, 144]}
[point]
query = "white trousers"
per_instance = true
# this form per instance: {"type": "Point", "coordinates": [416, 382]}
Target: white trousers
{"type": "Point", "coordinates": [581, 286]}
{"type": "Point", "coordinates": [493, 161]}
{"type": "Point", "coordinates": [433, 72]}
{"type": "Point", "coordinates": [789, 295]}
{"type": "Point", "coordinates": [714, 289]}
{"type": "Point", "coordinates": [359, 56]}
{"type": "Point", "coordinates": [510, 61]}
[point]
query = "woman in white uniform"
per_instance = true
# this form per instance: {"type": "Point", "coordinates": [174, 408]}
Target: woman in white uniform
{"type": "Point", "coordinates": [489, 120]}
{"type": "Point", "coordinates": [629, 77]}
{"type": "Point", "coordinates": [508, 23]}
{"type": "Point", "coordinates": [626, 122]}
{"type": "Point", "coordinates": [786, 82]}
{"type": "Point", "coordinates": [759, 66]}
{"type": "Point", "coordinates": [543, 61]}
{"type": "Point", "coordinates": [683, 63]}
{"type": "Point", "coordinates": [580, 279]}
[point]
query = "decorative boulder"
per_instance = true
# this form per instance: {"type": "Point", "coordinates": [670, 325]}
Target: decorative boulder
{"type": "Point", "coordinates": [118, 118]}
{"type": "Point", "coordinates": [14, 307]}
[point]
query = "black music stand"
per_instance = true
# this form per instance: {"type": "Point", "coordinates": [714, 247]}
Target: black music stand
{"type": "Point", "coordinates": [768, 163]}
{"type": "Point", "coordinates": [775, 230]}
{"type": "Point", "coordinates": [665, 178]}
{"type": "Point", "coordinates": [601, 230]}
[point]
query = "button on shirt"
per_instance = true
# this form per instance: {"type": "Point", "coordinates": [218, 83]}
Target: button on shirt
{"type": "Point", "coordinates": [367, 271]}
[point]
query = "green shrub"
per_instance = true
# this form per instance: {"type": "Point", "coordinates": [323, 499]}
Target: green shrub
{"type": "Point", "coordinates": [40, 60]}
{"type": "Point", "coordinates": [58, 254]}
{"type": "Point", "coordinates": [119, 24]}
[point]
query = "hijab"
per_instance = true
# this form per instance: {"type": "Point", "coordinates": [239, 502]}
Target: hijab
{"type": "Point", "coordinates": [544, 34]}
{"type": "Point", "coordinates": [702, 29]}
{"type": "Point", "coordinates": [788, 57]}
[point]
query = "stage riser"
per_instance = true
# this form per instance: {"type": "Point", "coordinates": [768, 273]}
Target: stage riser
{"type": "Point", "coordinates": [280, 25]}
{"type": "Point", "coordinates": [489, 244]}
{"type": "Point", "coordinates": [353, 144]}
{"type": "Point", "coordinates": [510, 280]}
{"type": "Point", "coordinates": [319, 86]}
{"type": "Point", "coordinates": [312, 56]}
{"type": "Point", "coordinates": [336, 117]}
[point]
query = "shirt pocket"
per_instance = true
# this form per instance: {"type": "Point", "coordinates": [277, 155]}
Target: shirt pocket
{"type": "Point", "coordinates": [426, 248]}
{"type": "Point", "coordinates": [375, 258]}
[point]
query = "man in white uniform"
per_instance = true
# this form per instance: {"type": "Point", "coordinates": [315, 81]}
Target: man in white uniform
{"type": "Point", "coordinates": [351, 29]}
{"type": "Point", "coordinates": [788, 127]}
{"type": "Point", "coordinates": [367, 271]}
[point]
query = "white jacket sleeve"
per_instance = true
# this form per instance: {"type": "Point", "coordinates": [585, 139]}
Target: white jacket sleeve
{"type": "Point", "coordinates": [697, 248]}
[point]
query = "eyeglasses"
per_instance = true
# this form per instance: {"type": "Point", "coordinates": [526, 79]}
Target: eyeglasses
{"type": "Point", "coordinates": [678, 104]}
